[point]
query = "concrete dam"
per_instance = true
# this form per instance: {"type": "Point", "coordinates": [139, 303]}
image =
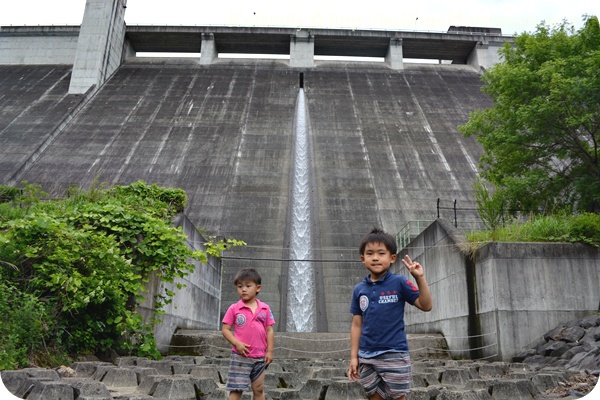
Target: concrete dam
{"type": "Point", "coordinates": [383, 145]}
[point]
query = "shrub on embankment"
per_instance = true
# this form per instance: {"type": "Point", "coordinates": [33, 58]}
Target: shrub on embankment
{"type": "Point", "coordinates": [72, 271]}
{"type": "Point", "coordinates": [561, 227]}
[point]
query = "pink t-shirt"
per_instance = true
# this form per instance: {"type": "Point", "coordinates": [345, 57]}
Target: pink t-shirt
{"type": "Point", "coordinates": [250, 328]}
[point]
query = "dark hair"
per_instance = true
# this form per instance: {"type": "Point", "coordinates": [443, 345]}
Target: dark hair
{"type": "Point", "coordinates": [247, 275]}
{"type": "Point", "coordinates": [379, 236]}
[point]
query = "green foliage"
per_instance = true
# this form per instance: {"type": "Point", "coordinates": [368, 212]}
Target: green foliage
{"type": "Point", "coordinates": [541, 137]}
{"type": "Point", "coordinates": [562, 227]}
{"type": "Point", "coordinates": [8, 193]}
{"type": "Point", "coordinates": [23, 326]}
{"type": "Point", "coordinates": [86, 259]}
{"type": "Point", "coordinates": [491, 207]}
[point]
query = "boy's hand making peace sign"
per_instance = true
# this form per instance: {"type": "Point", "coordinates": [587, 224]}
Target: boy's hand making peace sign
{"type": "Point", "coordinates": [414, 267]}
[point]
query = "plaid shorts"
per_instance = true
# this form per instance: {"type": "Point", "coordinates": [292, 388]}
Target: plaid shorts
{"type": "Point", "coordinates": [243, 371]}
{"type": "Point", "coordinates": [388, 374]}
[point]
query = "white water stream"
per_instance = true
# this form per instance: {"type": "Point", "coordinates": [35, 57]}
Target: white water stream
{"type": "Point", "coordinates": [301, 303]}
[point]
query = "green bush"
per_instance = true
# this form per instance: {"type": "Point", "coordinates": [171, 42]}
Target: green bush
{"type": "Point", "coordinates": [78, 269]}
{"type": "Point", "coordinates": [562, 227]}
{"type": "Point", "coordinates": [587, 227]}
{"type": "Point", "coordinates": [23, 326]}
{"type": "Point", "coordinates": [8, 193]}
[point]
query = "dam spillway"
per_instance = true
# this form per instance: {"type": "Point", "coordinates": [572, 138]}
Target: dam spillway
{"type": "Point", "coordinates": [224, 133]}
{"type": "Point", "coordinates": [301, 296]}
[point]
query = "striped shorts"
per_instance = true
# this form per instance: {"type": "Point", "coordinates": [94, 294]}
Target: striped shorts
{"type": "Point", "coordinates": [388, 374]}
{"type": "Point", "coordinates": [243, 371]}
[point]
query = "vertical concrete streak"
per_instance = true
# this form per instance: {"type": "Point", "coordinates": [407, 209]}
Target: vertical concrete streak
{"type": "Point", "coordinates": [178, 112]}
{"type": "Point", "coordinates": [243, 124]}
{"type": "Point", "coordinates": [52, 135]}
{"type": "Point", "coordinates": [431, 136]}
{"type": "Point", "coordinates": [112, 140]}
{"type": "Point", "coordinates": [455, 101]}
{"type": "Point", "coordinates": [386, 137]}
{"type": "Point", "coordinates": [164, 98]}
{"type": "Point", "coordinates": [42, 97]}
{"type": "Point", "coordinates": [223, 113]}
{"type": "Point", "coordinates": [364, 149]}
{"type": "Point", "coordinates": [188, 141]}
{"type": "Point", "coordinates": [470, 161]}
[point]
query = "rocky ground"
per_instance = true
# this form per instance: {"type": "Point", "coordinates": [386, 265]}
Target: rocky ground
{"type": "Point", "coordinates": [565, 363]}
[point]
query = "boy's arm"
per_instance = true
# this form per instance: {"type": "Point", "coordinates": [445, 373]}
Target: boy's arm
{"type": "Point", "coordinates": [241, 348]}
{"type": "Point", "coordinates": [270, 344]}
{"type": "Point", "coordinates": [355, 332]}
{"type": "Point", "coordinates": [425, 301]}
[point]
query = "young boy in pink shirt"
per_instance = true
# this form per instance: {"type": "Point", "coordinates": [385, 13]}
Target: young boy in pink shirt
{"type": "Point", "coordinates": [248, 326]}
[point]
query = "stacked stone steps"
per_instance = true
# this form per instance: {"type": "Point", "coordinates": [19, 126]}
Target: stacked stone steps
{"type": "Point", "coordinates": [200, 377]}
{"type": "Point", "coordinates": [291, 345]}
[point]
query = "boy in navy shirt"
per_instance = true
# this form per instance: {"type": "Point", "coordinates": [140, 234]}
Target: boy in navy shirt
{"type": "Point", "coordinates": [379, 357]}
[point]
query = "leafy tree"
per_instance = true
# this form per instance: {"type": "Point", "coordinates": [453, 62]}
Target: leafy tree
{"type": "Point", "coordinates": [541, 138]}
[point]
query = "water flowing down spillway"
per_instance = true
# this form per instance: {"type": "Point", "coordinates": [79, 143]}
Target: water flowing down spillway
{"type": "Point", "coordinates": [301, 304]}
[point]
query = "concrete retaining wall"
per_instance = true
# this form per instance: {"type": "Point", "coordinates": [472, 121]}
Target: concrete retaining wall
{"type": "Point", "coordinates": [196, 306]}
{"type": "Point", "coordinates": [37, 50]}
{"type": "Point", "coordinates": [507, 296]}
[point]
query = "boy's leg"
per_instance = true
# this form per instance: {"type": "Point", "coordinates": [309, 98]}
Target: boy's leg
{"type": "Point", "coordinates": [235, 395]}
{"type": "Point", "coordinates": [258, 388]}
{"type": "Point", "coordinates": [257, 377]}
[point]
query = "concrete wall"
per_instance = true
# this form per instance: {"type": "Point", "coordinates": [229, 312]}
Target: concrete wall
{"type": "Point", "coordinates": [101, 44]}
{"type": "Point", "coordinates": [54, 45]}
{"type": "Point", "coordinates": [507, 296]}
{"type": "Point", "coordinates": [485, 55]}
{"type": "Point", "coordinates": [197, 305]}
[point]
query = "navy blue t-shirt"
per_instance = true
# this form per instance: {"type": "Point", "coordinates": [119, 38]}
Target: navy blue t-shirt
{"type": "Point", "coordinates": [381, 305]}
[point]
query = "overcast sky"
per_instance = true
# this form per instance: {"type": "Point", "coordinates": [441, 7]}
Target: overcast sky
{"type": "Point", "coordinates": [512, 16]}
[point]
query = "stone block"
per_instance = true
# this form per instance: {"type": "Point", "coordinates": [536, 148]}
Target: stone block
{"type": "Point", "coordinates": [89, 389]}
{"type": "Point", "coordinates": [141, 372]}
{"type": "Point", "coordinates": [423, 393]}
{"type": "Point", "coordinates": [493, 370]}
{"type": "Point", "coordinates": [484, 383]}
{"type": "Point", "coordinates": [286, 380]}
{"type": "Point", "coordinates": [204, 386]}
{"type": "Point", "coordinates": [13, 379]}
{"type": "Point", "coordinates": [511, 389]}
{"type": "Point", "coordinates": [174, 388]}
{"type": "Point", "coordinates": [285, 394]}
{"type": "Point", "coordinates": [589, 322]}
{"type": "Point", "coordinates": [331, 373]}
{"type": "Point", "coordinates": [552, 346]}
{"type": "Point", "coordinates": [148, 382]}
{"type": "Point", "coordinates": [465, 394]}
{"type": "Point", "coordinates": [424, 379]}
{"type": "Point", "coordinates": [120, 377]}
{"type": "Point", "coordinates": [205, 371]}
{"type": "Point", "coordinates": [455, 376]}
{"type": "Point", "coordinates": [180, 368]}
{"type": "Point", "coordinates": [101, 371]}
{"type": "Point", "coordinates": [164, 367]}
{"type": "Point", "coordinates": [88, 368]}
{"type": "Point", "coordinates": [543, 382]}
{"type": "Point", "coordinates": [315, 389]}
{"type": "Point", "coordinates": [344, 390]}
{"type": "Point", "coordinates": [51, 390]}
{"type": "Point", "coordinates": [571, 334]}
